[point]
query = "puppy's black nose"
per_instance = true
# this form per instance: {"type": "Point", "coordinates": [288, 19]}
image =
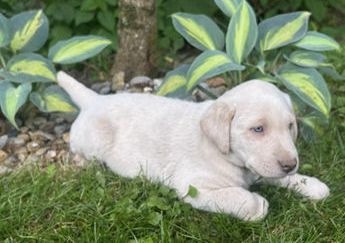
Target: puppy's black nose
{"type": "Point", "coordinates": [288, 165]}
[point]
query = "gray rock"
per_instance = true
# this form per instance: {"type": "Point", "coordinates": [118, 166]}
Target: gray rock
{"type": "Point", "coordinates": [47, 127]}
{"type": "Point", "coordinates": [33, 146]}
{"type": "Point", "coordinates": [11, 161]}
{"type": "Point", "coordinates": [38, 121]}
{"type": "Point", "coordinates": [59, 120]}
{"type": "Point", "coordinates": [24, 136]}
{"type": "Point", "coordinates": [148, 90]}
{"type": "Point", "coordinates": [105, 90]}
{"type": "Point", "coordinates": [24, 129]}
{"type": "Point", "coordinates": [41, 136]}
{"type": "Point", "coordinates": [141, 81]}
{"type": "Point", "coordinates": [51, 154]}
{"type": "Point", "coordinates": [41, 151]}
{"type": "Point", "coordinates": [3, 141]}
{"type": "Point", "coordinates": [157, 82]}
{"type": "Point", "coordinates": [60, 129]}
{"type": "Point", "coordinates": [4, 170]}
{"type": "Point", "coordinates": [16, 142]}
{"type": "Point", "coordinates": [3, 155]}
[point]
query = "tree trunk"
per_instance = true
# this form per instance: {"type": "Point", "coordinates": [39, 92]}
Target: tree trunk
{"type": "Point", "coordinates": [137, 32]}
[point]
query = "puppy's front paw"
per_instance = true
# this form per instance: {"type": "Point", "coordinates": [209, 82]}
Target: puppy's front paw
{"type": "Point", "coordinates": [313, 188]}
{"type": "Point", "coordinates": [256, 209]}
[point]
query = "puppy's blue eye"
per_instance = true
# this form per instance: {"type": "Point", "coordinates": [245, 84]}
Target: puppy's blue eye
{"type": "Point", "coordinates": [258, 129]}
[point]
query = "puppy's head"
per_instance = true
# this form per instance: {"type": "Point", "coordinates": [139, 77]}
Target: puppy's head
{"type": "Point", "coordinates": [255, 124]}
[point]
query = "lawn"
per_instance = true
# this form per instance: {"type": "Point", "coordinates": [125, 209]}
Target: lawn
{"type": "Point", "coordinates": [61, 204]}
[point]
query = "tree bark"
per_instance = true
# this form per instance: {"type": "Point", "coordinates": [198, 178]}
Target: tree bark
{"type": "Point", "coordinates": [137, 33]}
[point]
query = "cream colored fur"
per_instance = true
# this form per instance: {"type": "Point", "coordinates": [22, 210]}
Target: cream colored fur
{"type": "Point", "coordinates": [210, 145]}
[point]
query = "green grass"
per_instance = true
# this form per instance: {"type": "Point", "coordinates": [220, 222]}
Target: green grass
{"type": "Point", "coordinates": [59, 204]}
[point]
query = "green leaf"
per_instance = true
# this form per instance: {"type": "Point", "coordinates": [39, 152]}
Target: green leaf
{"type": "Point", "coordinates": [208, 65]}
{"type": "Point", "coordinates": [31, 67]}
{"type": "Point", "coordinates": [308, 85]}
{"type": "Point", "coordinates": [154, 218]}
{"type": "Point", "coordinates": [107, 19]}
{"type": "Point", "coordinates": [53, 99]}
{"type": "Point", "coordinates": [315, 41]}
{"type": "Point", "coordinates": [77, 49]}
{"type": "Point", "coordinates": [306, 58]}
{"type": "Point", "coordinates": [317, 8]}
{"type": "Point", "coordinates": [199, 30]}
{"type": "Point", "coordinates": [282, 30]}
{"type": "Point", "coordinates": [4, 31]}
{"type": "Point", "coordinates": [192, 191]}
{"type": "Point", "coordinates": [331, 72]}
{"type": "Point", "coordinates": [174, 83]}
{"type": "Point", "coordinates": [29, 31]}
{"type": "Point", "coordinates": [12, 98]}
{"type": "Point", "coordinates": [82, 17]}
{"type": "Point", "coordinates": [228, 7]}
{"type": "Point", "coordinates": [242, 33]}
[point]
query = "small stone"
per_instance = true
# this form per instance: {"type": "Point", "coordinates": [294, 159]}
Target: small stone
{"type": "Point", "coordinates": [63, 155]}
{"type": "Point", "coordinates": [3, 141]}
{"type": "Point", "coordinates": [24, 129]}
{"type": "Point", "coordinates": [39, 121]}
{"type": "Point", "coordinates": [51, 154]}
{"type": "Point", "coordinates": [141, 81]}
{"type": "Point", "coordinates": [215, 82]}
{"type": "Point", "coordinates": [22, 154]}
{"type": "Point", "coordinates": [11, 161]}
{"type": "Point", "coordinates": [60, 129]}
{"type": "Point", "coordinates": [33, 146]}
{"type": "Point", "coordinates": [118, 81]}
{"type": "Point", "coordinates": [32, 158]}
{"type": "Point", "coordinates": [4, 170]}
{"type": "Point", "coordinates": [41, 136]}
{"type": "Point", "coordinates": [24, 136]}
{"type": "Point", "coordinates": [16, 142]}
{"type": "Point", "coordinates": [105, 90]}
{"type": "Point", "coordinates": [157, 82]}
{"type": "Point", "coordinates": [41, 151]}
{"type": "Point", "coordinates": [47, 127]}
{"type": "Point", "coordinates": [59, 120]}
{"type": "Point", "coordinates": [148, 90]}
{"type": "Point", "coordinates": [79, 160]}
{"type": "Point", "coordinates": [65, 137]}
{"type": "Point", "coordinates": [3, 155]}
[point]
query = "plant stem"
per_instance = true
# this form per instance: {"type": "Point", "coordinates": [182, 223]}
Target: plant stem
{"type": "Point", "coordinates": [207, 92]}
{"type": "Point", "coordinates": [2, 60]}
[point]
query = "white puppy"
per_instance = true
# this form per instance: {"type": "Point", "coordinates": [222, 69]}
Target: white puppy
{"type": "Point", "coordinates": [220, 147]}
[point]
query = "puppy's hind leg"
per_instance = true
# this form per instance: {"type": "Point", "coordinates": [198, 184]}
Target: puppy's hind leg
{"type": "Point", "coordinates": [232, 200]}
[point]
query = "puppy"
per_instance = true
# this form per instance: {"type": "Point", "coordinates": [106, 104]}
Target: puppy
{"type": "Point", "coordinates": [220, 147]}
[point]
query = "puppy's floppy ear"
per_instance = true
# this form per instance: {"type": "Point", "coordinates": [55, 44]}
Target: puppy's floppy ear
{"type": "Point", "coordinates": [215, 123]}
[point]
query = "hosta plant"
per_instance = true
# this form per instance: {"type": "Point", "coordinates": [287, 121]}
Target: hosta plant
{"type": "Point", "coordinates": [25, 75]}
{"type": "Point", "coordinates": [280, 50]}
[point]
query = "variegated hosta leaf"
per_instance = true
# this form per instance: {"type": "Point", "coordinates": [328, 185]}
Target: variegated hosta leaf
{"type": "Point", "coordinates": [306, 58]}
{"type": "Point", "coordinates": [242, 33]}
{"type": "Point", "coordinates": [4, 31]}
{"type": "Point", "coordinates": [12, 98]}
{"type": "Point", "coordinates": [29, 31]}
{"type": "Point", "coordinates": [228, 7]}
{"type": "Point", "coordinates": [311, 125]}
{"type": "Point", "coordinates": [174, 83]}
{"type": "Point", "coordinates": [53, 99]}
{"type": "Point", "coordinates": [208, 65]}
{"type": "Point", "coordinates": [31, 67]}
{"type": "Point", "coordinates": [77, 49]}
{"type": "Point", "coordinates": [331, 72]}
{"type": "Point", "coordinates": [282, 30]}
{"type": "Point", "coordinates": [316, 41]}
{"type": "Point", "coordinates": [308, 85]}
{"type": "Point", "coordinates": [199, 30]}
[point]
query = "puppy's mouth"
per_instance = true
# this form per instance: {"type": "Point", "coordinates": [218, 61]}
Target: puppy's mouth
{"type": "Point", "coordinates": [280, 175]}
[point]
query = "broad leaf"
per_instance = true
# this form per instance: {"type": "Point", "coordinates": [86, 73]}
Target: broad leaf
{"type": "Point", "coordinates": [12, 98]}
{"type": "Point", "coordinates": [308, 85]}
{"type": "Point", "coordinates": [331, 72]}
{"type": "Point", "coordinates": [31, 67]}
{"type": "Point", "coordinates": [4, 31]}
{"type": "Point", "coordinates": [242, 33]}
{"type": "Point", "coordinates": [228, 7]}
{"type": "Point", "coordinates": [174, 83]}
{"type": "Point", "coordinates": [208, 65]}
{"type": "Point", "coordinates": [312, 126]}
{"type": "Point", "coordinates": [29, 31]}
{"type": "Point", "coordinates": [316, 41]}
{"type": "Point", "coordinates": [77, 49]}
{"type": "Point", "coordinates": [306, 58]}
{"type": "Point", "coordinates": [282, 30]}
{"type": "Point", "coordinates": [53, 99]}
{"type": "Point", "coordinates": [199, 30]}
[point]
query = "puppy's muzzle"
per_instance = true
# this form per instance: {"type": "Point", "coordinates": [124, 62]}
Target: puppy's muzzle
{"type": "Point", "coordinates": [288, 165]}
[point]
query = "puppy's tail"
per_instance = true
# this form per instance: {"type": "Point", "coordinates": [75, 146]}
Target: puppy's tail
{"type": "Point", "coordinates": [81, 95]}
